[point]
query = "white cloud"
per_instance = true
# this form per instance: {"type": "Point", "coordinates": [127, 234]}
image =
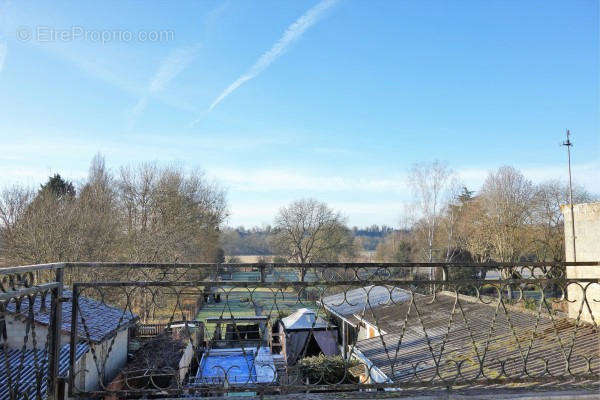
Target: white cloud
{"type": "Point", "coordinates": [365, 199]}
{"type": "Point", "coordinates": [382, 212]}
{"type": "Point", "coordinates": [243, 213]}
{"type": "Point", "coordinates": [33, 176]}
{"type": "Point", "coordinates": [291, 34]}
{"type": "Point", "coordinates": [278, 179]}
{"type": "Point", "coordinates": [586, 174]}
{"type": "Point", "coordinates": [265, 180]}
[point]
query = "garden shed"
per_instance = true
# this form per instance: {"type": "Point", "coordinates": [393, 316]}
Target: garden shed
{"type": "Point", "coordinates": [305, 334]}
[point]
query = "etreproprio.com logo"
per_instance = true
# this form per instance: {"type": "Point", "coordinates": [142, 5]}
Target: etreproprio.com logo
{"type": "Point", "coordinates": [43, 33]}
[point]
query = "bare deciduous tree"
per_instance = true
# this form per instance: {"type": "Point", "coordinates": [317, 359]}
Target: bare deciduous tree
{"type": "Point", "coordinates": [473, 230]}
{"type": "Point", "coordinates": [169, 215]}
{"type": "Point", "coordinates": [430, 185]}
{"type": "Point", "coordinates": [395, 247]}
{"type": "Point", "coordinates": [147, 214]}
{"type": "Point", "coordinates": [308, 230]}
{"type": "Point", "coordinates": [44, 230]}
{"type": "Point", "coordinates": [547, 233]}
{"type": "Point", "coordinates": [98, 215]}
{"type": "Point", "coordinates": [506, 198]}
{"type": "Point", "coordinates": [13, 204]}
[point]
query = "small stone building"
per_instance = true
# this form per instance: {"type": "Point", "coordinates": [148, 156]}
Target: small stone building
{"type": "Point", "coordinates": [100, 326]}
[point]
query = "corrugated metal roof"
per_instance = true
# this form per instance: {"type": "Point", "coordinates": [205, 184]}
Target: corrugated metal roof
{"type": "Point", "coordinates": [433, 332]}
{"type": "Point", "coordinates": [359, 300]}
{"type": "Point", "coordinates": [101, 320]}
{"type": "Point", "coordinates": [28, 369]}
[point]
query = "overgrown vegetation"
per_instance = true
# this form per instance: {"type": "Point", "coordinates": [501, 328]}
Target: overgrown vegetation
{"type": "Point", "coordinates": [145, 213]}
{"type": "Point", "coordinates": [323, 369]}
{"type": "Point", "coordinates": [152, 213]}
{"type": "Point", "coordinates": [509, 219]}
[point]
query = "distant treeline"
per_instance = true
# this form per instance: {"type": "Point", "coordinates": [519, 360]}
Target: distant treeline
{"type": "Point", "coordinates": [370, 237]}
{"type": "Point", "coordinates": [239, 241]}
{"type": "Point", "coordinates": [256, 240]}
{"type": "Point", "coordinates": [373, 231]}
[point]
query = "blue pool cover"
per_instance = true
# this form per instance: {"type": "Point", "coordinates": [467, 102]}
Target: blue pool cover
{"type": "Point", "coordinates": [238, 367]}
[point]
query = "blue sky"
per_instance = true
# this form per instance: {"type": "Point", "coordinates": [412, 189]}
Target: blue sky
{"type": "Point", "coordinates": [281, 100]}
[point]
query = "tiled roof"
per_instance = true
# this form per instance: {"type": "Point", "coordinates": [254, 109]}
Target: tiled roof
{"type": "Point", "coordinates": [435, 330]}
{"type": "Point", "coordinates": [362, 300]}
{"type": "Point", "coordinates": [101, 320]}
{"type": "Point", "coordinates": [24, 370]}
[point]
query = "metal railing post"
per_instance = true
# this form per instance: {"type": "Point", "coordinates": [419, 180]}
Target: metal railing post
{"type": "Point", "coordinates": [73, 340]}
{"type": "Point", "coordinates": [344, 340]}
{"type": "Point", "coordinates": [55, 332]}
{"type": "Point", "coordinates": [445, 277]}
{"type": "Point", "coordinates": [261, 268]}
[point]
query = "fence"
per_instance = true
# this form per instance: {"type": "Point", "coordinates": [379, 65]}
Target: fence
{"type": "Point", "coordinates": [65, 329]}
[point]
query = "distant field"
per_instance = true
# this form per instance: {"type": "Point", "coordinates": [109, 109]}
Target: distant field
{"type": "Point", "coordinates": [366, 256]}
{"type": "Point", "coordinates": [362, 256]}
{"type": "Point", "coordinates": [239, 302]}
{"type": "Point", "coordinates": [277, 275]}
{"type": "Point", "coordinates": [253, 258]}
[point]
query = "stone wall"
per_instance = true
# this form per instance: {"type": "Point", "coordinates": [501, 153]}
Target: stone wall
{"type": "Point", "coordinates": [587, 248]}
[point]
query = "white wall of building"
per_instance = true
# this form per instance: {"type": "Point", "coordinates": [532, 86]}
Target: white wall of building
{"type": "Point", "coordinates": [16, 330]}
{"type": "Point", "coordinates": [115, 358]}
{"type": "Point", "coordinates": [587, 248]}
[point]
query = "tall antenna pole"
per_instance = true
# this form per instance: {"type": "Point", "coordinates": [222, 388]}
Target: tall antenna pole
{"type": "Point", "coordinates": [568, 144]}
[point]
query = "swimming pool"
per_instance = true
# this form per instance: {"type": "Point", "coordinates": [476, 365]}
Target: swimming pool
{"type": "Point", "coordinates": [238, 366]}
{"type": "Point", "coordinates": [248, 366]}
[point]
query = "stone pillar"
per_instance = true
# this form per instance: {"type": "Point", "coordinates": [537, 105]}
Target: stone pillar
{"type": "Point", "coordinates": [587, 248]}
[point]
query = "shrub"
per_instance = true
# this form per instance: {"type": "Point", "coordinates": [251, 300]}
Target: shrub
{"type": "Point", "coordinates": [323, 369]}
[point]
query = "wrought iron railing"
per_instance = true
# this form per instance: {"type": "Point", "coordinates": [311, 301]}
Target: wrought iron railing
{"type": "Point", "coordinates": [294, 328]}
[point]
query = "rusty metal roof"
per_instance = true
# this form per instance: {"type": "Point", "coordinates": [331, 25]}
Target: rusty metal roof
{"type": "Point", "coordinates": [355, 301]}
{"type": "Point", "coordinates": [431, 338]}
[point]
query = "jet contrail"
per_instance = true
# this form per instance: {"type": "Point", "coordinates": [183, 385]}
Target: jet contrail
{"type": "Point", "coordinates": [169, 68]}
{"type": "Point", "coordinates": [3, 51]}
{"type": "Point", "coordinates": [291, 34]}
